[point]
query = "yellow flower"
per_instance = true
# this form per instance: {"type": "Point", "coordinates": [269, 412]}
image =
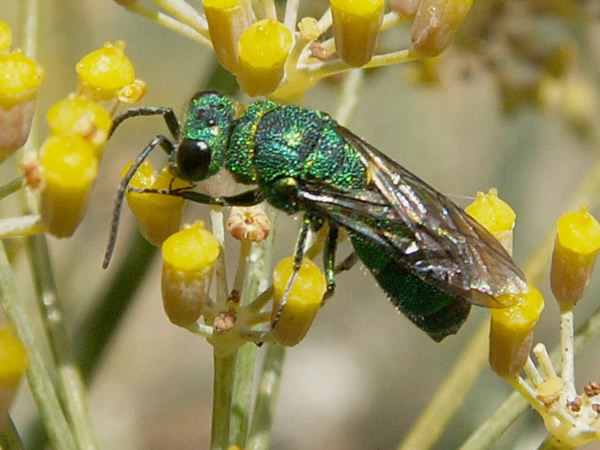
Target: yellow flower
{"type": "Point", "coordinates": [20, 78]}
{"type": "Point", "coordinates": [69, 167]}
{"type": "Point", "coordinates": [227, 20]}
{"type": "Point", "coordinates": [575, 249]}
{"type": "Point", "coordinates": [511, 332]}
{"type": "Point", "coordinates": [188, 259]}
{"type": "Point", "coordinates": [107, 74]}
{"type": "Point", "coordinates": [495, 215]}
{"type": "Point", "coordinates": [303, 301]}
{"type": "Point", "coordinates": [79, 115]}
{"type": "Point", "coordinates": [356, 25]}
{"type": "Point", "coordinates": [158, 216]}
{"type": "Point", "coordinates": [263, 49]}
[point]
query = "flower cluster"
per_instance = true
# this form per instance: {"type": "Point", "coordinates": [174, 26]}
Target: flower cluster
{"type": "Point", "coordinates": [66, 166]}
{"type": "Point", "coordinates": [284, 58]}
{"type": "Point", "coordinates": [79, 127]}
{"type": "Point", "coordinates": [188, 259]}
{"type": "Point", "coordinates": [572, 420]}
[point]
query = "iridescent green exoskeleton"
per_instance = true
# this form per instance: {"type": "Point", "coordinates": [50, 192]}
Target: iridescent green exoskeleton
{"type": "Point", "coordinates": [431, 258]}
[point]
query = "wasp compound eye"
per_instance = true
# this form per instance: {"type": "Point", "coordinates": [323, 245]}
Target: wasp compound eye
{"type": "Point", "coordinates": [193, 159]}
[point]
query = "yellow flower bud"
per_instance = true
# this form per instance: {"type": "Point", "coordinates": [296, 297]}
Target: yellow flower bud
{"type": "Point", "coordinates": [511, 332]}
{"type": "Point", "coordinates": [303, 302]}
{"type": "Point", "coordinates": [13, 363]}
{"type": "Point", "coordinates": [227, 20]}
{"type": "Point", "coordinates": [188, 259]}
{"type": "Point", "coordinates": [262, 50]}
{"type": "Point", "coordinates": [103, 73]}
{"type": "Point", "coordinates": [69, 167]}
{"type": "Point", "coordinates": [20, 78]}
{"type": "Point", "coordinates": [577, 243]}
{"type": "Point", "coordinates": [5, 36]}
{"type": "Point", "coordinates": [158, 216]}
{"type": "Point", "coordinates": [435, 24]}
{"type": "Point", "coordinates": [356, 25]}
{"type": "Point", "coordinates": [249, 224]}
{"type": "Point", "coordinates": [79, 115]}
{"type": "Point", "coordinates": [495, 215]}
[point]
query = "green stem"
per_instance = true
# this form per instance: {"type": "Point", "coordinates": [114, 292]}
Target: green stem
{"type": "Point", "coordinates": [259, 436]}
{"type": "Point", "coordinates": [224, 368]}
{"type": "Point", "coordinates": [71, 387]}
{"type": "Point", "coordinates": [9, 436]}
{"type": "Point", "coordinates": [38, 374]}
{"type": "Point", "coordinates": [259, 267]}
{"type": "Point", "coordinates": [12, 186]}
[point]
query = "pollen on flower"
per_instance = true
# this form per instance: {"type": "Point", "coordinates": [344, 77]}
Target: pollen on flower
{"type": "Point", "coordinates": [575, 249]}
{"type": "Point", "coordinates": [495, 215]}
{"type": "Point", "coordinates": [227, 20]}
{"type": "Point", "coordinates": [158, 216]}
{"type": "Point", "coordinates": [511, 333]}
{"type": "Point", "coordinates": [70, 167]}
{"type": "Point", "coordinates": [303, 301]}
{"type": "Point", "coordinates": [79, 115]}
{"type": "Point", "coordinates": [356, 25]}
{"type": "Point", "coordinates": [188, 258]}
{"type": "Point", "coordinates": [263, 49]}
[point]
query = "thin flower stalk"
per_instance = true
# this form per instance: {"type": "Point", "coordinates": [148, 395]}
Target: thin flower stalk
{"type": "Point", "coordinates": [310, 60]}
{"type": "Point", "coordinates": [38, 373]}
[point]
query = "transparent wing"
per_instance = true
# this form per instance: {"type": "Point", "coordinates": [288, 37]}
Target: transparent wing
{"type": "Point", "coordinates": [420, 228]}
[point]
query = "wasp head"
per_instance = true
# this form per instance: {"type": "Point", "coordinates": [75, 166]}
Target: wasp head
{"type": "Point", "coordinates": [201, 151]}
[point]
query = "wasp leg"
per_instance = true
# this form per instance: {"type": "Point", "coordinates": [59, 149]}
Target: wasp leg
{"type": "Point", "coordinates": [248, 198]}
{"type": "Point", "coordinates": [329, 260]}
{"type": "Point", "coordinates": [297, 264]}
{"type": "Point", "coordinates": [347, 263]}
{"type": "Point", "coordinates": [167, 113]}
{"type": "Point", "coordinates": [159, 140]}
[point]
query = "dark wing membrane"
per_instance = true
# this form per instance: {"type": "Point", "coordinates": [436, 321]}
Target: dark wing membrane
{"type": "Point", "coordinates": [438, 240]}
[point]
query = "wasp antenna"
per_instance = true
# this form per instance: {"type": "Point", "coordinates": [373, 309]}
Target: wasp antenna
{"type": "Point", "coordinates": [114, 227]}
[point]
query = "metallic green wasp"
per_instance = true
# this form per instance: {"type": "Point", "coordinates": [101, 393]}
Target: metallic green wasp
{"type": "Point", "coordinates": [431, 258]}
